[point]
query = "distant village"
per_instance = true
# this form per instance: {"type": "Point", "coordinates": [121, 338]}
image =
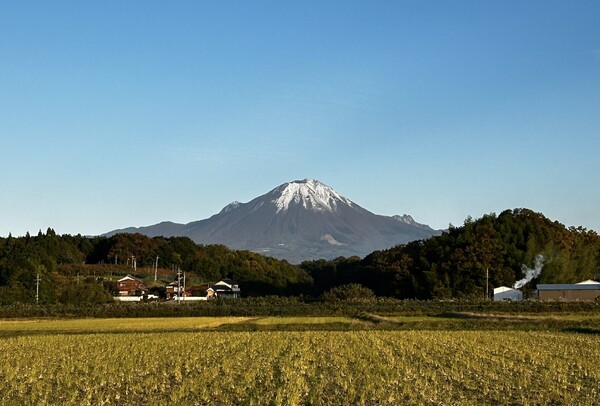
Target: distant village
{"type": "Point", "coordinates": [132, 289]}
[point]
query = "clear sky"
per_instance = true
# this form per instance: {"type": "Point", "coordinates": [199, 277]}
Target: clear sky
{"type": "Point", "coordinates": [128, 113]}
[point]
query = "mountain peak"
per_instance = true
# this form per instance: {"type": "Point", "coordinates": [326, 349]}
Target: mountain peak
{"type": "Point", "coordinates": [231, 206]}
{"type": "Point", "coordinates": [311, 194]}
{"type": "Point", "coordinates": [405, 219]}
{"type": "Point", "coordinates": [297, 221]}
{"type": "Point", "coordinates": [408, 219]}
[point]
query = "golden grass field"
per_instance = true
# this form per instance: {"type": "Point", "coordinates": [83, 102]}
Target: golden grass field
{"type": "Point", "coordinates": [191, 361]}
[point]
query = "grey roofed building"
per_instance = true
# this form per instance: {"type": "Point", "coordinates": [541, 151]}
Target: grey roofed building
{"type": "Point", "coordinates": [569, 291]}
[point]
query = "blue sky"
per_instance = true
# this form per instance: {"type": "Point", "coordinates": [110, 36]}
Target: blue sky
{"type": "Point", "coordinates": [127, 113]}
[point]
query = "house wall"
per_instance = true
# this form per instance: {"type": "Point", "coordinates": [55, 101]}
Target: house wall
{"type": "Point", "coordinates": [584, 295]}
{"type": "Point", "coordinates": [228, 294]}
{"type": "Point", "coordinates": [129, 286]}
{"type": "Point", "coordinates": [128, 298]}
{"type": "Point", "coordinates": [193, 298]}
{"type": "Point", "coordinates": [508, 295]}
{"type": "Point", "coordinates": [173, 290]}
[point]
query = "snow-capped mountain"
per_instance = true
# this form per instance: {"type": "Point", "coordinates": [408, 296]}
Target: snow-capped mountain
{"type": "Point", "coordinates": [310, 193]}
{"type": "Point", "coordinates": [299, 220]}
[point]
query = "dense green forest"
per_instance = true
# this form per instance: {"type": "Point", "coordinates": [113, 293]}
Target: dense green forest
{"type": "Point", "coordinates": [74, 269]}
{"type": "Point", "coordinates": [454, 264]}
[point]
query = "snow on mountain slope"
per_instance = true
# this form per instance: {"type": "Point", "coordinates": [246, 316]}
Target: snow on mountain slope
{"type": "Point", "coordinates": [312, 194]}
{"type": "Point", "coordinates": [231, 206]}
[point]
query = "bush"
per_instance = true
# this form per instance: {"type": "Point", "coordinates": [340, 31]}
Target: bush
{"type": "Point", "coordinates": [89, 292]}
{"type": "Point", "coordinates": [351, 291]}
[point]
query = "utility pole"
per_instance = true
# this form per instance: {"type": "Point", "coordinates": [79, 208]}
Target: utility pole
{"type": "Point", "coordinates": [155, 268]}
{"type": "Point", "coordinates": [37, 289]}
{"type": "Point", "coordinates": [178, 286]}
{"type": "Point", "coordinates": [133, 263]}
{"type": "Point", "coordinates": [487, 278]}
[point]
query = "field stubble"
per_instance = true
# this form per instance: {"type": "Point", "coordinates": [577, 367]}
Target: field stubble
{"type": "Point", "coordinates": [301, 367]}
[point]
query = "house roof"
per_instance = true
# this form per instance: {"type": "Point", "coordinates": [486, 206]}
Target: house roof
{"type": "Point", "coordinates": [223, 288]}
{"type": "Point", "coordinates": [588, 282]}
{"type": "Point", "coordinates": [229, 282]}
{"type": "Point", "coordinates": [502, 289]}
{"type": "Point", "coordinates": [226, 285]}
{"type": "Point", "coordinates": [569, 286]}
{"type": "Point", "coordinates": [129, 278]}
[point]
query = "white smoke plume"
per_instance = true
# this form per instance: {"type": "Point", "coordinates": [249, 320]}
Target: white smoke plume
{"type": "Point", "coordinates": [531, 273]}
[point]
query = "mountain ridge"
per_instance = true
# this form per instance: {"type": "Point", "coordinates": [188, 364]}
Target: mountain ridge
{"type": "Point", "coordinates": [297, 221]}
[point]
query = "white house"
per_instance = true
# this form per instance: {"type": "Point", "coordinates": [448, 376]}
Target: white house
{"type": "Point", "coordinates": [225, 288]}
{"type": "Point", "coordinates": [506, 293]}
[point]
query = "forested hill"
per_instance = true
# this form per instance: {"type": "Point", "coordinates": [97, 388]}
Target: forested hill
{"type": "Point", "coordinates": [454, 264]}
{"type": "Point", "coordinates": [64, 262]}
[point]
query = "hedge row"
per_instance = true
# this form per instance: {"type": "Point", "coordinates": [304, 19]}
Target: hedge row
{"type": "Point", "coordinates": [288, 306]}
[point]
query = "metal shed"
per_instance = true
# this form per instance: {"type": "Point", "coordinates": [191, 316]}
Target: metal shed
{"type": "Point", "coordinates": [584, 291]}
{"type": "Point", "coordinates": [506, 293]}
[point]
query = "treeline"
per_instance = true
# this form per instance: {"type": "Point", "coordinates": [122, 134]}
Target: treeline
{"type": "Point", "coordinates": [463, 263]}
{"type": "Point", "coordinates": [58, 259]}
{"type": "Point", "coordinates": [468, 261]}
{"type": "Point", "coordinates": [259, 275]}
